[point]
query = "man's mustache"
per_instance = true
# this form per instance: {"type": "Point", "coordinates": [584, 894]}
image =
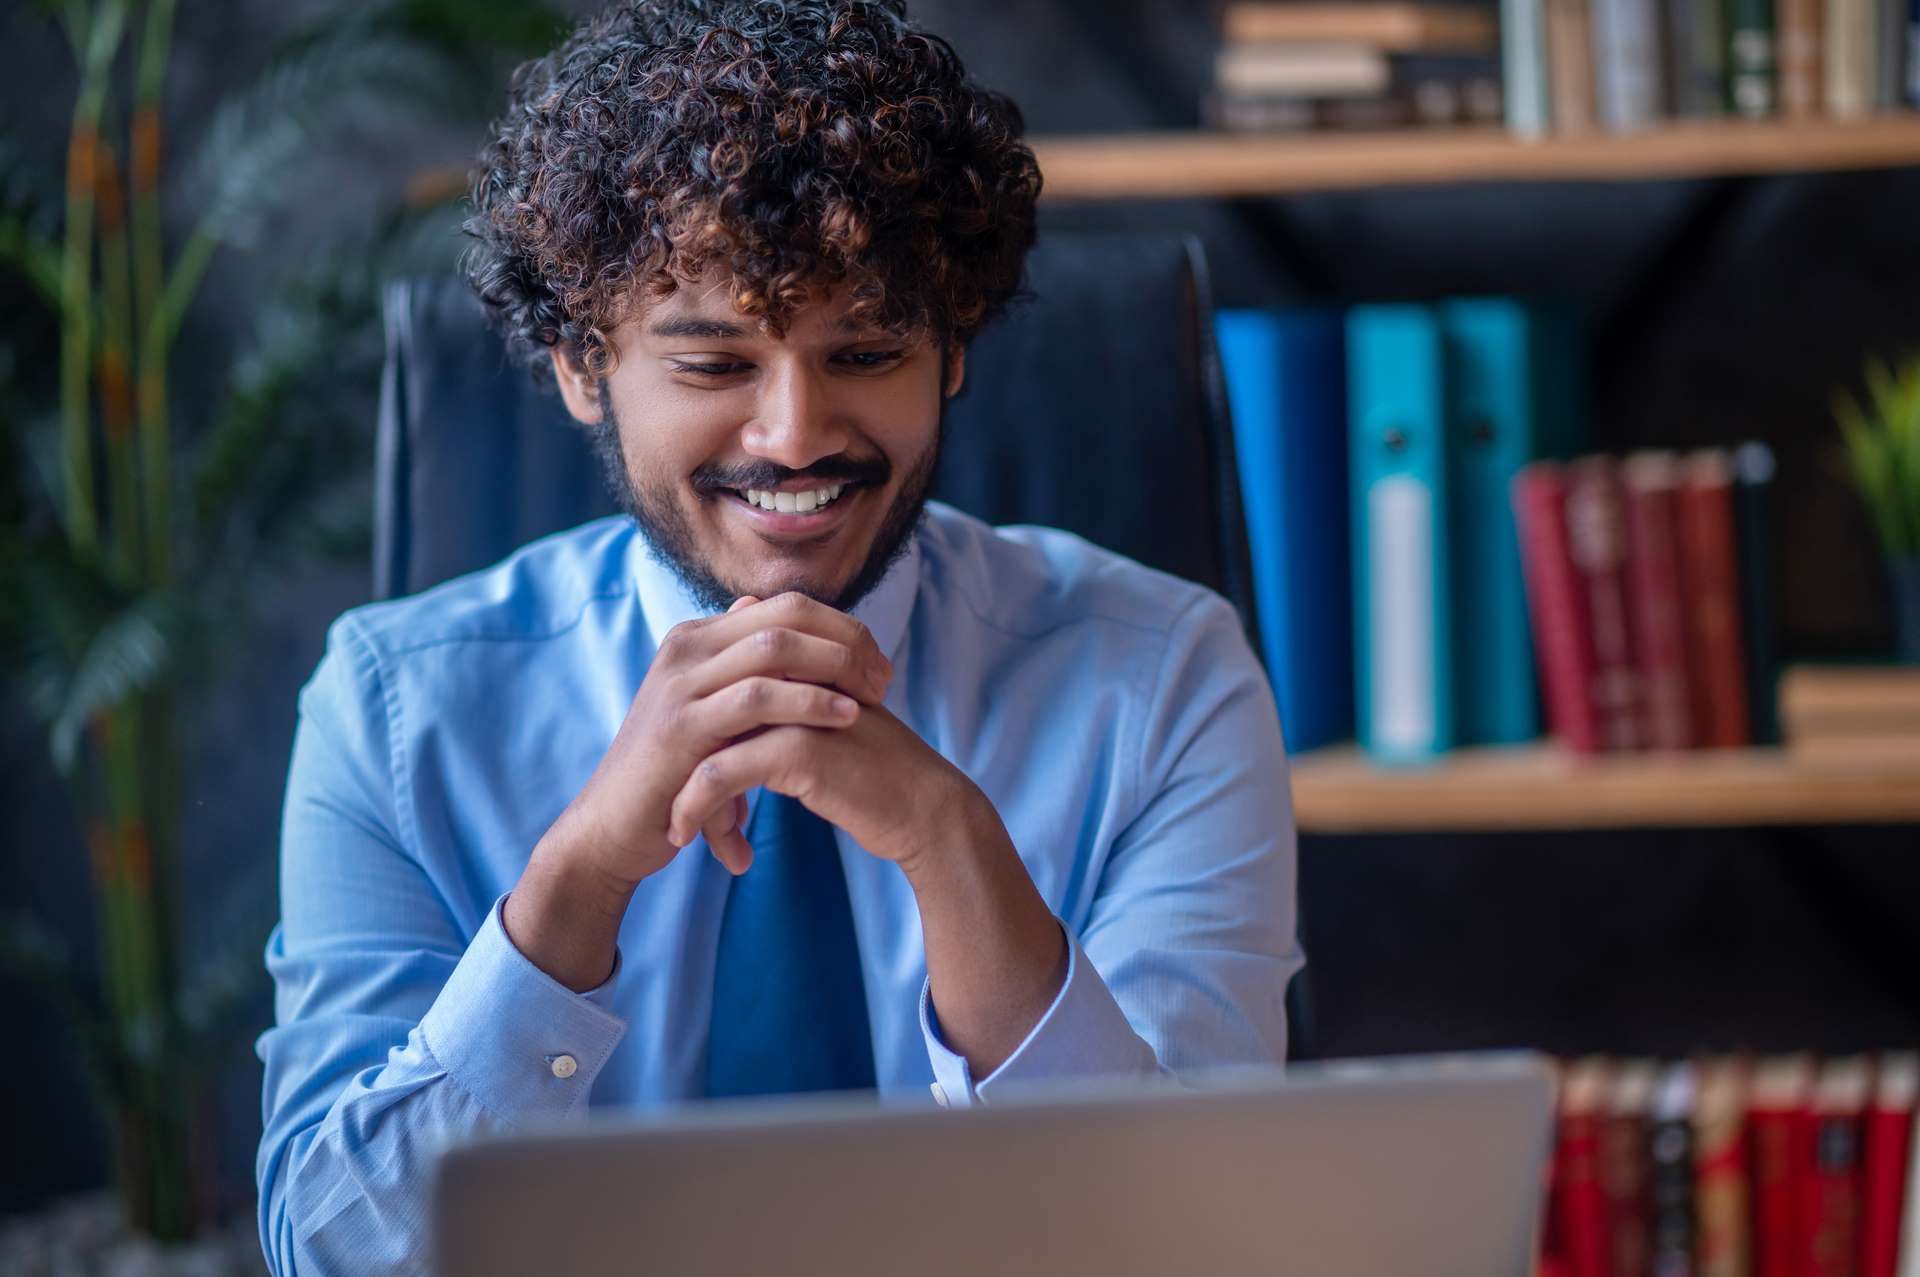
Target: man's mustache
{"type": "Point", "coordinates": [765, 474]}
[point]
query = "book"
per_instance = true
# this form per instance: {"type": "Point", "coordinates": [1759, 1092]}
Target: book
{"type": "Point", "coordinates": [1569, 25]}
{"type": "Point", "coordinates": [1577, 1200]}
{"type": "Point", "coordinates": [1445, 27]}
{"type": "Point", "coordinates": [1623, 1166]}
{"type": "Point", "coordinates": [1402, 585]}
{"type": "Point", "coordinates": [1239, 113]}
{"type": "Point", "coordinates": [1512, 397]}
{"type": "Point", "coordinates": [1287, 395]}
{"type": "Point", "coordinates": [1913, 54]}
{"type": "Point", "coordinates": [1424, 91]}
{"type": "Point", "coordinates": [1448, 89]}
{"type": "Point", "coordinates": [1849, 50]}
{"type": "Point", "coordinates": [1885, 1153]}
{"type": "Point", "coordinates": [1302, 70]}
{"type": "Point", "coordinates": [1889, 46]}
{"type": "Point", "coordinates": [1759, 578]}
{"type": "Point", "coordinates": [1800, 59]}
{"type": "Point", "coordinates": [1627, 60]}
{"type": "Point", "coordinates": [1849, 701]}
{"type": "Point", "coordinates": [1909, 1263]}
{"type": "Point", "coordinates": [1750, 58]}
{"type": "Point", "coordinates": [1557, 607]}
{"type": "Point", "coordinates": [1670, 1173]}
{"type": "Point", "coordinates": [1597, 537]}
{"type": "Point", "coordinates": [1652, 481]}
{"type": "Point", "coordinates": [1830, 1205]}
{"type": "Point", "coordinates": [1716, 667]}
{"type": "Point", "coordinates": [1695, 44]}
{"type": "Point", "coordinates": [1779, 1124]}
{"type": "Point", "coordinates": [1720, 1168]}
{"type": "Point", "coordinates": [1523, 56]}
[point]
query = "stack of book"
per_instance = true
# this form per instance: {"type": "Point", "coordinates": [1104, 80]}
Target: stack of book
{"type": "Point", "coordinates": [1650, 586]}
{"type": "Point", "coordinates": [1404, 459]}
{"type": "Point", "coordinates": [1729, 1167]}
{"type": "Point", "coordinates": [1861, 711]}
{"type": "Point", "coordinates": [1622, 65]}
{"type": "Point", "coordinates": [1355, 65]}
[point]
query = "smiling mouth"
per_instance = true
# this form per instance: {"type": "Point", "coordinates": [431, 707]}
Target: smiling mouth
{"type": "Point", "coordinates": [803, 501]}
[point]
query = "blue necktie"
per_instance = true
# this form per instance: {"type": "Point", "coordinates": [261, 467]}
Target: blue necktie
{"type": "Point", "coordinates": [789, 1003]}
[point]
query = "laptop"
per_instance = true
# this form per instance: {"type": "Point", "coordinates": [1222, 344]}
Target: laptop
{"type": "Point", "coordinates": [1432, 1167]}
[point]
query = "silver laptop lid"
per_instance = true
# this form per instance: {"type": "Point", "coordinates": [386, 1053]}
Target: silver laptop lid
{"type": "Point", "coordinates": [1417, 1166]}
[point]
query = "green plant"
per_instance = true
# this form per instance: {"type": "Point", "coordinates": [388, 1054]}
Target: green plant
{"type": "Point", "coordinates": [135, 544]}
{"type": "Point", "coordinates": [1883, 452]}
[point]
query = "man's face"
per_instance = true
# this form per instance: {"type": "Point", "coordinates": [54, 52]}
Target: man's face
{"type": "Point", "coordinates": [706, 421]}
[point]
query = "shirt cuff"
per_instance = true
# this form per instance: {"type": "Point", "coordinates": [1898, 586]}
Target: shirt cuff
{"type": "Point", "coordinates": [1083, 1033]}
{"type": "Point", "coordinates": [521, 1043]}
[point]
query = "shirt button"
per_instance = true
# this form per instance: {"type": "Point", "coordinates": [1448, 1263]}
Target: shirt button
{"type": "Point", "coordinates": [564, 1066]}
{"type": "Point", "coordinates": [940, 1095]}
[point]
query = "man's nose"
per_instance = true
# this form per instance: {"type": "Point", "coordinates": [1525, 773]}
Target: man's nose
{"type": "Point", "coordinates": [796, 421]}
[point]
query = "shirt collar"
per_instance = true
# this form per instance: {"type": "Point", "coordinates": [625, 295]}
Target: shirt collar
{"type": "Point", "coordinates": [884, 611]}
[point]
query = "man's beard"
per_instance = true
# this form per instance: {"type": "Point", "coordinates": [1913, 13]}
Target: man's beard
{"type": "Point", "coordinates": [671, 538]}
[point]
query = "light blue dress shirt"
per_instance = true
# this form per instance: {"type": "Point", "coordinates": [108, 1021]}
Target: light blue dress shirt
{"type": "Point", "coordinates": [1115, 716]}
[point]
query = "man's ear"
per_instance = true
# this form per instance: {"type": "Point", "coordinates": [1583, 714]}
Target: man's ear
{"type": "Point", "coordinates": [579, 389]}
{"type": "Point", "coordinates": [956, 370]}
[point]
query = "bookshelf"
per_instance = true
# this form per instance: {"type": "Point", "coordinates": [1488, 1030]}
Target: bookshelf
{"type": "Point", "coordinates": [1540, 787]}
{"type": "Point", "coordinates": [1195, 165]}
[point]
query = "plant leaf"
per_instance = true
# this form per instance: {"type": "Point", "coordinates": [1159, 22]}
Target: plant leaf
{"type": "Point", "coordinates": [128, 654]}
{"type": "Point", "coordinates": [30, 208]}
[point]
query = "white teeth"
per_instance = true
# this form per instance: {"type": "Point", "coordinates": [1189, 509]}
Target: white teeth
{"type": "Point", "coordinates": [793, 502]}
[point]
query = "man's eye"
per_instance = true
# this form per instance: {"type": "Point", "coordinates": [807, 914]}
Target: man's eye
{"type": "Point", "coordinates": [871, 359]}
{"type": "Point", "coordinates": [704, 370]}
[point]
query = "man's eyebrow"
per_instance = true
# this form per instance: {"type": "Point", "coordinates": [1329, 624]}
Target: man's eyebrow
{"type": "Point", "coordinates": [717, 328]}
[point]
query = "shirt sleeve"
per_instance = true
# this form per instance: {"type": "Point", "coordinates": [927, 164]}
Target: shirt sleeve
{"type": "Point", "coordinates": [1184, 960]}
{"type": "Point", "coordinates": [397, 1029]}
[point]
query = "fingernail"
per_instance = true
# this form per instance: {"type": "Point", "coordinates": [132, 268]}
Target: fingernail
{"type": "Point", "coordinates": [845, 705]}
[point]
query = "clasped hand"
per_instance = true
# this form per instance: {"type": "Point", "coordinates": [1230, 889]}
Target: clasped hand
{"type": "Point", "coordinates": [783, 693]}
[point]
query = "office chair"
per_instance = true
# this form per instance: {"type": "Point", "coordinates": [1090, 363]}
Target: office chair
{"type": "Point", "coordinates": [1097, 407]}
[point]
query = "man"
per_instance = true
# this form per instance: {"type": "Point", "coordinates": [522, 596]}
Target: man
{"type": "Point", "coordinates": [785, 780]}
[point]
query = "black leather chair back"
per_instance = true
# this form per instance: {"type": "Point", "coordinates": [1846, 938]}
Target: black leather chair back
{"type": "Point", "coordinates": [1097, 406]}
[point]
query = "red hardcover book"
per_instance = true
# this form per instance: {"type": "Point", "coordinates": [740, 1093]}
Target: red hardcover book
{"type": "Point", "coordinates": [1888, 1141]}
{"type": "Point", "coordinates": [1651, 480]}
{"type": "Point", "coordinates": [1558, 606]}
{"type": "Point", "coordinates": [1597, 536]}
{"type": "Point", "coordinates": [1577, 1203]}
{"type": "Point", "coordinates": [1779, 1123]}
{"type": "Point", "coordinates": [1830, 1187]}
{"type": "Point", "coordinates": [1623, 1166]}
{"type": "Point", "coordinates": [1717, 665]}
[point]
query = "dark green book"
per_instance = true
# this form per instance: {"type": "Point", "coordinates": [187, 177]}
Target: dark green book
{"type": "Point", "coordinates": [1750, 58]}
{"type": "Point", "coordinates": [1696, 49]}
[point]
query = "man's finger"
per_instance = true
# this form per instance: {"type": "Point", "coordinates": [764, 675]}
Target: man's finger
{"type": "Point", "coordinates": [726, 838]}
{"type": "Point", "coordinates": [771, 758]}
{"type": "Point", "coordinates": [759, 701]}
{"type": "Point", "coordinates": [793, 611]}
{"type": "Point", "coordinates": [778, 652]}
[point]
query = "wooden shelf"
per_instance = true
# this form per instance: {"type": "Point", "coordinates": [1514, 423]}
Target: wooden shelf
{"type": "Point", "coordinates": [1541, 787]}
{"type": "Point", "coordinates": [1199, 164]}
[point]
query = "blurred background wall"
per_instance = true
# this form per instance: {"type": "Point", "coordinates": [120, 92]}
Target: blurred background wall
{"type": "Point", "coordinates": [1722, 311]}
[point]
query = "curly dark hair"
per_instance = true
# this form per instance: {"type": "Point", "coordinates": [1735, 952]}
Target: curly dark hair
{"type": "Point", "coordinates": [801, 144]}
